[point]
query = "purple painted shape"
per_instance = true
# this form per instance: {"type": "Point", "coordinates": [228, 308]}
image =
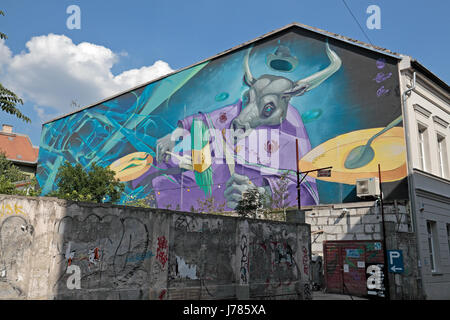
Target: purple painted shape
{"type": "Point", "coordinates": [181, 190]}
{"type": "Point", "coordinates": [382, 91]}
{"type": "Point", "coordinates": [381, 63]}
{"type": "Point", "coordinates": [381, 76]}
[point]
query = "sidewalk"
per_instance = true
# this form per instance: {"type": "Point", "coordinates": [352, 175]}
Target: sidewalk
{"type": "Point", "coordinates": [319, 295]}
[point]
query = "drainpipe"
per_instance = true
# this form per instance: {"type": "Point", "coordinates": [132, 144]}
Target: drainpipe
{"type": "Point", "coordinates": [411, 185]}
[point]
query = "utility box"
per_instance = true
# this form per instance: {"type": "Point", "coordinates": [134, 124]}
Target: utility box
{"type": "Point", "coordinates": [368, 187]}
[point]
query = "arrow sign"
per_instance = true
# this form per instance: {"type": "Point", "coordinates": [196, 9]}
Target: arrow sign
{"type": "Point", "coordinates": [395, 261]}
{"type": "Point", "coordinates": [396, 270]}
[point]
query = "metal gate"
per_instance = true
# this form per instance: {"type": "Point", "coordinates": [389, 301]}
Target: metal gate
{"type": "Point", "coordinates": [345, 264]}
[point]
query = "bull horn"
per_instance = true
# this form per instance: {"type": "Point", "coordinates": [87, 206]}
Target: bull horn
{"type": "Point", "coordinates": [317, 78]}
{"type": "Point", "coordinates": [248, 78]}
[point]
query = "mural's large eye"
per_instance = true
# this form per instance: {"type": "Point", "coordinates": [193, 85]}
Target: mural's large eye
{"type": "Point", "coordinates": [268, 109]}
{"type": "Point", "coordinates": [245, 98]}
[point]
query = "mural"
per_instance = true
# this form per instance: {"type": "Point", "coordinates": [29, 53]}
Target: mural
{"type": "Point", "coordinates": [212, 131]}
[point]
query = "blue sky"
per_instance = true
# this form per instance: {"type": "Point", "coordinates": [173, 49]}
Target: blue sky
{"type": "Point", "coordinates": [131, 42]}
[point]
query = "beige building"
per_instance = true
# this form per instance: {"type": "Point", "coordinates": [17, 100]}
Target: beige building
{"type": "Point", "coordinates": [19, 150]}
{"type": "Point", "coordinates": [426, 109]}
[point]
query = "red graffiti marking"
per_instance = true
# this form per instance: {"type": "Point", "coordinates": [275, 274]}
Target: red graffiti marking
{"type": "Point", "coordinates": [96, 256]}
{"type": "Point", "coordinates": [162, 242]}
{"type": "Point", "coordinates": [161, 295]}
{"type": "Point", "coordinates": [271, 146]}
{"type": "Point", "coordinates": [223, 117]}
{"type": "Point", "coordinates": [161, 254]}
{"type": "Point", "coordinates": [305, 261]}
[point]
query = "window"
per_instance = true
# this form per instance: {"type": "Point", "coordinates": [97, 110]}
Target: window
{"type": "Point", "coordinates": [442, 156]}
{"type": "Point", "coordinates": [423, 146]}
{"type": "Point", "coordinates": [448, 237]}
{"type": "Point", "coordinates": [432, 247]}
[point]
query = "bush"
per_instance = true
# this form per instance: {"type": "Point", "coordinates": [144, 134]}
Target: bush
{"type": "Point", "coordinates": [9, 171]}
{"type": "Point", "coordinates": [251, 201]}
{"type": "Point", "coordinates": [9, 174]}
{"type": "Point", "coordinates": [6, 186]}
{"type": "Point", "coordinates": [98, 184]}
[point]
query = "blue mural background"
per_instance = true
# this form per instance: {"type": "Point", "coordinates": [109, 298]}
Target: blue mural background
{"type": "Point", "coordinates": [134, 121]}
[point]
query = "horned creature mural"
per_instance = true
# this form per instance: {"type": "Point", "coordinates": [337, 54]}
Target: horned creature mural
{"type": "Point", "coordinates": [209, 164]}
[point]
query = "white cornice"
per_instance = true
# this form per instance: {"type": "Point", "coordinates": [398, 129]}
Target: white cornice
{"type": "Point", "coordinates": [421, 110]}
{"type": "Point", "coordinates": [440, 121]}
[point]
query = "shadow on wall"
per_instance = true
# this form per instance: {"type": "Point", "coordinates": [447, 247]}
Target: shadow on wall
{"type": "Point", "coordinates": [16, 237]}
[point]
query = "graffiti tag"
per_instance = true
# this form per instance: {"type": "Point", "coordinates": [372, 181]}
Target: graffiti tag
{"type": "Point", "coordinates": [305, 261]}
{"type": "Point", "coordinates": [140, 257]}
{"type": "Point", "coordinates": [382, 91]}
{"type": "Point", "coordinates": [161, 252]}
{"type": "Point", "coordinates": [244, 259]}
{"type": "Point", "coordinates": [8, 209]}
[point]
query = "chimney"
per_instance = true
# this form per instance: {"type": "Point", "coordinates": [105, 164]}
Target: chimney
{"type": "Point", "coordinates": [7, 128]}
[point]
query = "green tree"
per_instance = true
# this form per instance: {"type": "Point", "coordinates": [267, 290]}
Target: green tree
{"type": "Point", "coordinates": [280, 193]}
{"type": "Point", "coordinates": [9, 171]}
{"type": "Point", "coordinates": [8, 99]}
{"type": "Point", "coordinates": [6, 186]}
{"type": "Point", "coordinates": [251, 201]}
{"type": "Point", "coordinates": [97, 184]}
{"type": "Point", "coordinates": [9, 174]}
{"type": "Point", "coordinates": [146, 202]}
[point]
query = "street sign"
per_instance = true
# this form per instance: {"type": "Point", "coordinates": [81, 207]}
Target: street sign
{"type": "Point", "coordinates": [324, 173]}
{"type": "Point", "coordinates": [395, 261]}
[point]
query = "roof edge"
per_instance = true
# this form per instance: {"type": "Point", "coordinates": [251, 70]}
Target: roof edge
{"type": "Point", "coordinates": [284, 28]}
{"type": "Point", "coordinates": [420, 67]}
{"type": "Point", "coordinates": [22, 161]}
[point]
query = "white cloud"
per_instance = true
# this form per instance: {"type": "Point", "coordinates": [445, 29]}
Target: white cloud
{"type": "Point", "coordinates": [43, 114]}
{"type": "Point", "coordinates": [5, 55]}
{"type": "Point", "coordinates": [54, 71]}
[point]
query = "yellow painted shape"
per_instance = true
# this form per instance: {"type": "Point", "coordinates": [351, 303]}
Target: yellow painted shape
{"type": "Point", "coordinates": [131, 166]}
{"type": "Point", "coordinates": [9, 209]}
{"type": "Point", "coordinates": [201, 159]}
{"type": "Point", "coordinates": [18, 209]}
{"type": "Point", "coordinates": [389, 148]}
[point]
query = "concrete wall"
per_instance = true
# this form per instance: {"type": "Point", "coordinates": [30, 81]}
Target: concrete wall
{"type": "Point", "coordinates": [406, 285]}
{"type": "Point", "coordinates": [354, 221]}
{"type": "Point", "coordinates": [117, 252]}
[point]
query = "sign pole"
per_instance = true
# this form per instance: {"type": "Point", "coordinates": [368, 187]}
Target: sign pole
{"type": "Point", "coordinates": [385, 270]}
{"type": "Point", "coordinates": [298, 176]}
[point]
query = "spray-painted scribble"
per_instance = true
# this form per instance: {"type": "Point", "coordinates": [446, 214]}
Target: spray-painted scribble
{"type": "Point", "coordinates": [161, 252]}
{"type": "Point", "coordinates": [244, 259]}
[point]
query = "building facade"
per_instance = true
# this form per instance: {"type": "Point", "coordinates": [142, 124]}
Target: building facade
{"type": "Point", "coordinates": [19, 150]}
{"type": "Point", "coordinates": [426, 107]}
{"type": "Point", "coordinates": [211, 131]}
